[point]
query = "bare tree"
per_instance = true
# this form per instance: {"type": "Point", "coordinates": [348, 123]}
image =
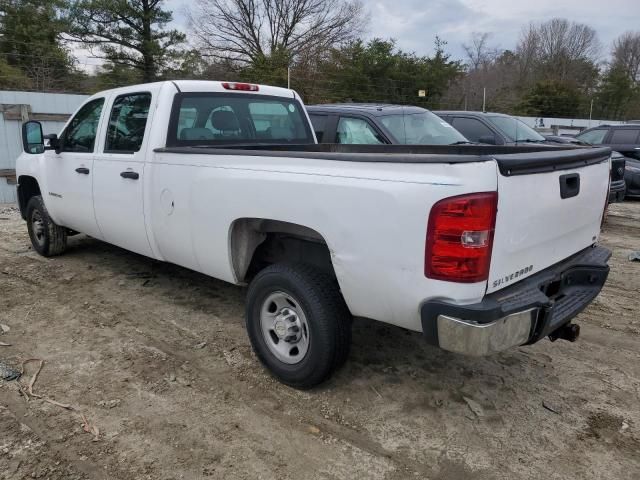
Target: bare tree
{"type": "Point", "coordinates": [557, 48]}
{"type": "Point", "coordinates": [626, 55]}
{"type": "Point", "coordinates": [249, 31]}
{"type": "Point", "coordinates": [479, 53]}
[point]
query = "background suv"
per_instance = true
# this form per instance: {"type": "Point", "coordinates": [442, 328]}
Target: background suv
{"type": "Point", "coordinates": [626, 140]}
{"type": "Point", "coordinates": [491, 128]}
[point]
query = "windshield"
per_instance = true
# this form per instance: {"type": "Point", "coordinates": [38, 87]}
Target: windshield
{"type": "Point", "coordinates": [423, 128]}
{"type": "Point", "coordinates": [516, 130]}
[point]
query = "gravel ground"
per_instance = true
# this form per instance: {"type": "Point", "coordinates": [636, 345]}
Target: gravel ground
{"type": "Point", "coordinates": [157, 359]}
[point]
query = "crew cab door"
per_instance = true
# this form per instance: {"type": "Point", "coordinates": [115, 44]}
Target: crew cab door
{"type": "Point", "coordinates": [69, 173]}
{"type": "Point", "coordinates": [119, 172]}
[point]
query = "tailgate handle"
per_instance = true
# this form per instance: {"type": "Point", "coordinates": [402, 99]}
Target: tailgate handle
{"type": "Point", "coordinates": [569, 185]}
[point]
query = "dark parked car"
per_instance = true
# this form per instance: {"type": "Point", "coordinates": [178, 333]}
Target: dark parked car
{"type": "Point", "coordinates": [500, 129]}
{"type": "Point", "coordinates": [626, 140]}
{"type": "Point", "coordinates": [365, 123]}
{"type": "Point", "coordinates": [492, 128]}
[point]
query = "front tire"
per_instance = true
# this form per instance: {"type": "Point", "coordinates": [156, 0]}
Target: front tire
{"type": "Point", "coordinates": [47, 238]}
{"type": "Point", "coordinates": [298, 323]}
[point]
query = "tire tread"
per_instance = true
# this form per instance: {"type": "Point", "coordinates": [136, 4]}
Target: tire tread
{"type": "Point", "coordinates": [56, 235]}
{"type": "Point", "coordinates": [322, 292]}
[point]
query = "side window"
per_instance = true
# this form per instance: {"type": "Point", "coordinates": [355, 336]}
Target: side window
{"type": "Point", "coordinates": [356, 131]}
{"type": "Point", "coordinates": [594, 137]}
{"type": "Point", "coordinates": [472, 129]}
{"type": "Point", "coordinates": [319, 125]}
{"type": "Point", "coordinates": [127, 123]}
{"type": "Point", "coordinates": [80, 134]}
{"type": "Point", "coordinates": [624, 135]}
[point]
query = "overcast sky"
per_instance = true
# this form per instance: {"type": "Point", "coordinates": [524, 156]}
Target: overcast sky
{"type": "Point", "coordinates": [415, 23]}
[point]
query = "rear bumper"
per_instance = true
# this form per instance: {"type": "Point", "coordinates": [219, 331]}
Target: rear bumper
{"type": "Point", "coordinates": [521, 314]}
{"type": "Point", "coordinates": [617, 191]}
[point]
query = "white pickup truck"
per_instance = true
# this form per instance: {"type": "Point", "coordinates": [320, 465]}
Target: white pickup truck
{"type": "Point", "coordinates": [481, 248]}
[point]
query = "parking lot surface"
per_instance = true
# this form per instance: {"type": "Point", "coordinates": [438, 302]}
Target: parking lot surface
{"type": "Point", "coordinates": [157, 360]}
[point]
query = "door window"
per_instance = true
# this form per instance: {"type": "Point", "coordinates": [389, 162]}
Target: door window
{"type": "Point", "coordinates": [80, 134]}
{"type": "Point", "coordinates": [594, 137]}
{"type": "Point", "coordinates": [357, 131]}
{"type": "Point", "coordinates": [472, 129]}
{"type": "Point", "coordinates": [624, 135]}
{"type": "Point", "coordinates": [127, 123]}
{"type": "Point", "coordinates": [319, 123]}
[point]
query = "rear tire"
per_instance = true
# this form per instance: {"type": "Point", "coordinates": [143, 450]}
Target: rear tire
{"type": "Point", "coordinates": [298, 323]}
{"type": "Point", "coordinates": [47, 238]}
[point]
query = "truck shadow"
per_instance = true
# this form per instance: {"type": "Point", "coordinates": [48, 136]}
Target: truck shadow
{"type": "Point", "coordinates": [383, 356]}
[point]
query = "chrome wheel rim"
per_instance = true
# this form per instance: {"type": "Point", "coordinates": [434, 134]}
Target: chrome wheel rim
{"type": "Point", "coordinates": [37, 227]}
{"type": "Point", "coordinates": [284, 327]}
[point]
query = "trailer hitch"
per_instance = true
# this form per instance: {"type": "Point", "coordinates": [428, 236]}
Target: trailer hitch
{"type": "Point", "coordinates": [569, 332]}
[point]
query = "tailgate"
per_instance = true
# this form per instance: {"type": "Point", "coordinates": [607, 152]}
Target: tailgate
{"type": "Point", "coordinates": [550, 206]}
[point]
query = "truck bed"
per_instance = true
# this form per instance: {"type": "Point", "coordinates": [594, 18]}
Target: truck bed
{"type": "Point", "coordinates": [511, 159]}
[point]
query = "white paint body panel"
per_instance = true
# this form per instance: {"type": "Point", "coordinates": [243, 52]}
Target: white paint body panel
{"type": "Point", "coordinates": [536, 228]}
{"type": "Point", "coordinates": [373, 216]}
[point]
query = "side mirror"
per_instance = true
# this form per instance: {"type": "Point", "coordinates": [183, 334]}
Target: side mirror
{"type": "Point", "coordinates": [489, 139]}
{"type": "Point", "coordinates": [32, 137]}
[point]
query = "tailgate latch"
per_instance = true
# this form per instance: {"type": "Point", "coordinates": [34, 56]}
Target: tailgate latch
{"type": "Point", "coordinates": [569, 185]}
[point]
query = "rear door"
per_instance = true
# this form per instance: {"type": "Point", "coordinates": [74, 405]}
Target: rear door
{"type": "Point", "coordinates": [119, 171]}
{"type": "Point", "coordinates": [550, 206]}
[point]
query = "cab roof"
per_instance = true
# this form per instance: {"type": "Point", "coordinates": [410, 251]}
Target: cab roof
{"type": "Point", "coordinates": [205, 86]}
{"type": "Point", "coordinates": [470, 112]}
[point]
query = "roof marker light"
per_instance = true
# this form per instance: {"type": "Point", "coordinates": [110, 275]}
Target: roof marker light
{"type": "Point", "coordinates": [244, 87]}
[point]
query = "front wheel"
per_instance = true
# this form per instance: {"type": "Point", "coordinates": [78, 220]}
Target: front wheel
{"type": "Point", "coordinates": [298, 323]}
{"type": "Point", "coordinates": [47, 238]}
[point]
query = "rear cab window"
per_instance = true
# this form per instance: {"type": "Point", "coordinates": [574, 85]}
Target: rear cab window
{"type": "Point", "coordinates": [211, 119]}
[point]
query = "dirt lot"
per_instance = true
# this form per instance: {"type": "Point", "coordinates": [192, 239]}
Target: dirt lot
{"type": "Point", "coordinates": [124, 342]}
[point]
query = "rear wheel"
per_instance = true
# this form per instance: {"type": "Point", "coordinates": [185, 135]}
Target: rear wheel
{"type": "Point", "coordinates": [298, 323]}
{"type": "Point", "coordinates": [47, 238]}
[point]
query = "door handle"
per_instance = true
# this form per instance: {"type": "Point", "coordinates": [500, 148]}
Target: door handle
{"type": "Point", "coordinates": [83, 170]}
{"type": "Point", "coordinates": [130, 174]}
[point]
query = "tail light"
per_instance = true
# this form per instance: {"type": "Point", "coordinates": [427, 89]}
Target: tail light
{"type": "Point", "coordinates": [244, 87]}
{"type": "Point", "coordinates": [460, 238]}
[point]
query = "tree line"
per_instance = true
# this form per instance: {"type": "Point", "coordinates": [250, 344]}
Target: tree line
{"type": "Point", "coordinates": [556, 69]}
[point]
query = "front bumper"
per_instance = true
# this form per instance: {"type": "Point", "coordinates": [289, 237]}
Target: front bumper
{"type": "Point", "coordinates": [632, 180]}
{"type": "Point", "coordinates": [520, 314]}
{"type": "Point", "coordinates": [617, 191]}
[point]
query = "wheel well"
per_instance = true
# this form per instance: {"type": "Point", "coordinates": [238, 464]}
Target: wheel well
{"type": "Point", "coordinates": [257, 243]}
{"type": "Point", "coordinates": [27, 187]}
